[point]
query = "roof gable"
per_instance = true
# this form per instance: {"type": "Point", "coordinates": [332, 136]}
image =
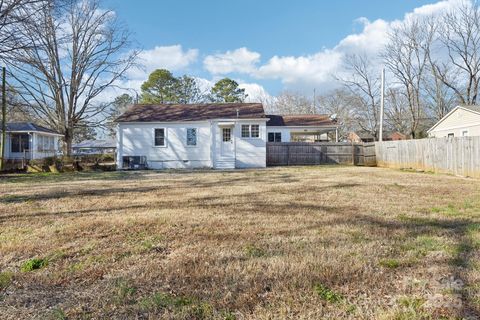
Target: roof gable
{"type": "Point", "coordinates": [472, 109]}
{"type": "Point", "coordinates": [191, 112]}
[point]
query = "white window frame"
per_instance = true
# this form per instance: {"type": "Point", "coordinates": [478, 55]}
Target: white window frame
{"type": "Point", "coordinates": [196, 137]}
{"type": "Point", "coordinates": [250, 131]}
{"type": "Point", "coordinates": [165, 140]}
{"type": "Point", "coordinates": [241, 131]}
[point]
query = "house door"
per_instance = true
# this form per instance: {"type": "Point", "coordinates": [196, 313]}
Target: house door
{"type": "Point", "coordinates": [227, 143]}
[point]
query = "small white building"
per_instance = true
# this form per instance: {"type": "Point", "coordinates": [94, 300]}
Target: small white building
{"type": "Point", "coordinates": [215, 135]}
{"type": "Point", "coordinates": [462, 121]}
{"type": "Point", "coordinates": [28, 141]}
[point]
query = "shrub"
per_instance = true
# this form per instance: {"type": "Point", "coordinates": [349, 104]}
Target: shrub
{"type": "Point", "coordinates": [327, 294]}
{"type": "Point", "coordinates": [34, 264]}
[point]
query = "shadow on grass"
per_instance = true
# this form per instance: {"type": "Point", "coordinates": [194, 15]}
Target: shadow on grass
{"type": "Point", "coordinates": [457, 229]}
{"type": "Point", "coordinates": [65, 214]}
{"type": "Point", "coordinates": [71, 176]}
{"type": "Point", "coordinates": [64, 194]}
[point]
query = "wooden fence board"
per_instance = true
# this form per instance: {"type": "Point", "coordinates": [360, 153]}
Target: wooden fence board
{"type": "Point", "coordinates": [301, 153]}
{"type": "Point", "coordinates": [459, 156]}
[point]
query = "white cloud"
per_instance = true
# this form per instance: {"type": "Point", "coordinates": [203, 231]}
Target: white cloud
{"type": "Point", "coordinates": [314, 68]}
{"type": "Point", "coordinates": [318, 69]}
{"type": "Point", "coordinates": [372, 38]}
{"type": "Point", "coordinates": [240, 60]}
{"type": "Point", "coordinates": [256, 93]}
{"type": "Point", "coordinates": [173, 58]}
{"type": "Point", "coordinates": [435, 8]}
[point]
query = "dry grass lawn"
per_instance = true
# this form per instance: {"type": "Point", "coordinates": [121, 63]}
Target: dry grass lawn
{"type": "Point", "coordinates": [282, 243]}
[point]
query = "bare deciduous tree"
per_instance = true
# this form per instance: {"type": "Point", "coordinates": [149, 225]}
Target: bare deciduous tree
{"type": "Point", "coordinates": [396, 111]}
{"type": "Point", "coordinates": [339, 103]}
{"type": "Point", "coordinates": [406, 55]}
{"type": "Point", "coordinates": [289, 102]}
{"type": "Point", "coordinates": [14, 14]}
{"type": "Point", "coordinates": [439, 99]}
{"type": "Point", "coordinates": [364, 84]}
{"type": "Point", "coordinates": [78, 51]}
{"type": "Point", "coordinates": [460, 35]}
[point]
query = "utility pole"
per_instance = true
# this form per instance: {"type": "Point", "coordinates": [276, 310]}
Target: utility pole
{"type": "Point", "coordinates": [4, 118]}
{"type": "Point", "coordinates": [382, 105]}
{"type": "Point", "coordinates": [314, 102]}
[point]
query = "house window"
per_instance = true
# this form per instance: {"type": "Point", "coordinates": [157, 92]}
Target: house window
{"type": "Point", "coordinates": [45, 143]}
{"type": "Point", "coordinates": [274, 137]}
{"type": "Point", "coordinates": [451, 135]}
{"type": "Point", "coordinates": [160, 137]}
{"type": "Point", "coordinates": [465, 133]}
{"type": "Point", "coordinates": [226, 134]}
{"type": "Point", "coordinates": [40, 143]}
{"type": "Point", "coordinates": [250, 131]}
{"type": "Point", "coordinates": [255, 130]}
{"type": "Point", "coordinates": [51, 143]}
{"type": "Point", "coordinates": [191, 136]}
{"type": "Point", "coordinates": [20, 142]}
{"type": "Point", "coordinates": [245, 131]}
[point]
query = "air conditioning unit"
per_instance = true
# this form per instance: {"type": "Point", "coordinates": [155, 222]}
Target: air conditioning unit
{"type": "Point", "coordinates": [135, 162]}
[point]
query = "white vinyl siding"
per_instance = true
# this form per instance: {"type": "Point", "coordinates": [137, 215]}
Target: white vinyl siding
{"type": "Point", "coordinates": [138, 139]}
{"type": "Point", "coordinates": [457, 122]}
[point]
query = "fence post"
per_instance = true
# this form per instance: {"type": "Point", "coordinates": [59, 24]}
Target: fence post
{"type": "Point", "coordinates": [353, 153]}
{"type": "Point", "coordinates": [288, 154]}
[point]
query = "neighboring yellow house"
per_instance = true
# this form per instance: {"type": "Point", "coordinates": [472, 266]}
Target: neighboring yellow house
{"type": "Point", "coordinates": [462, 121]}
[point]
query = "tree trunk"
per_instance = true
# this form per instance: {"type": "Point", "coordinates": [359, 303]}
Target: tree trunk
{"type": "Point", "coordinates": [68, 137]}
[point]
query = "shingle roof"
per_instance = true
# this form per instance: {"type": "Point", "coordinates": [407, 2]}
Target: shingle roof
{"type": "Point", "coordinates": [300, 120]}
{"type": "Point", "coordinates": [110, 143]}
{"type": "Point", "coordinates": [191, 112]}
{"type": "Point", "coordinates": [28, 126]}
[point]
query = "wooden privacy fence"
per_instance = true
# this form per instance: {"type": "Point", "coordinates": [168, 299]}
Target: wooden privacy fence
{"type": "Point", "coordinates": [302, 153]}
{"type": "Point", "coordinates": [459, 156]}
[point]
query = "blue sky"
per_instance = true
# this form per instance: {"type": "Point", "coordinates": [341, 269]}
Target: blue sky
{"type": "Point", "coordinates": [267, 45]}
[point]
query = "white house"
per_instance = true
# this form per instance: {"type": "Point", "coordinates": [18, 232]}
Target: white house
{"type": "Point", "coordinates": [26, 140]}
{"type": "Point", "coordinates": [221, 136]}
{"type": "Point", "coordinates": [460, 122]}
